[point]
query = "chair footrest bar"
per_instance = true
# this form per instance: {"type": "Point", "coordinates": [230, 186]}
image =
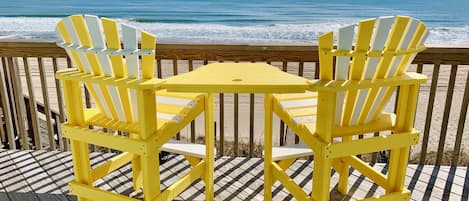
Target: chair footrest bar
{"type": "Point", "coordinates": [104, 139]}
{"type": "Point", "coordinates": [171, 192]}
{"type": "Point", "coordinates": [373, 144]}
{"type": "Point", "coordinates": [288, 183]}
{"type": "Point", "coordinates": [92, 193]}
{"type": "Point", "coordinates": [111, 165]}
{"type": "Point", "coordinates": [368, 171]}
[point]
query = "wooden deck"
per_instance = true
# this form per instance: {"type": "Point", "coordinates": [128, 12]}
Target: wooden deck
{"type": "Point", "coordinates": [43, 175]}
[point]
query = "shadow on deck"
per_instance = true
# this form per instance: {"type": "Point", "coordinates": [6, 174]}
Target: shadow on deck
{"type": "Point", "coordinates": [43, 175]}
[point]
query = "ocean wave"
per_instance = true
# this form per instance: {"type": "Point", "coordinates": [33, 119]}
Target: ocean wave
{"type": "Point", "coordinates": [148, 20]}
{"type": "Point", "coordinates": [44, 28]}
{"type": "Point", "coordinates": [34, 15]}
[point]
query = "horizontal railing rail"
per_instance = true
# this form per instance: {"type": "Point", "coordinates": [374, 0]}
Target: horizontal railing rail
{"type": "Point", "coordinates": [28, 66]}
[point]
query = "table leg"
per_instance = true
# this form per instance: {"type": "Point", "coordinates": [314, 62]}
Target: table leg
{"type": "Point", "coordinates": [209, 145]}
{"type": "Point", "coordinates": [268, 180]}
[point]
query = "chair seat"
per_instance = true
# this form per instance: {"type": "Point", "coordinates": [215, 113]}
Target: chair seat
{"type": "Point", "coordinates": [299, 107]}
{"type": "Point", "coordinates": [172, 110]}
{"type": "Point", "coordinates": [301, 110]}
{"type": "Point", "coordinates": [291, 151]}
{"type": "Point", "coordinates": [185, 148]}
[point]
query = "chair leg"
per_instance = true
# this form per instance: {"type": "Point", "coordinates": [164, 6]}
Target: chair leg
{"type": "Point", "coordinates": [150, 175]}
{"type": "Point", "coordinates": [268, 180]}
{"type": "Point", "coordinates": [81, 164]}
{"type": "Point", "coordinates": [136, 168]}
{"type": "Point", "coordinates": [344, 172]}
{"type": "Point", "coordinates": [321, 178]}
{"type": "Point", "coordinates": [343, 177]}
{"type": "Point", "coordinates": [397, 169]}
{"type": "Point", "coordinates": [209, 146]}
{"type": "Point", "coordinates": [137, 173]}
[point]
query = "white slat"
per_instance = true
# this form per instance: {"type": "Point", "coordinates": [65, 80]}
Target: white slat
{"type": "Point", "coordinates": [96, 32]}
{"type": "Point", "coordinates": [304, 119]}
{"type": "Point", "coordinates": [76, 42]}
{"type": "Point", "coordinates": [345, 40]}
{"type": "Point", "coordinates": [176, 101]}
{"type": "Point", "coordinates": [129, 38]}
{"type": "Point", "coordinates": [133, 99]}
{"type": "Point", "coordinates": [425, 35]}
{"type": "Point", "coordinates": [375, 105]}
{"type": "Point", "coordinates": [379, 37]}
{"type": "Point", "coordinates": [99, 93]}
{"type": "Point", "coordinates": [115, 98]}
{"type": "Point", "coordinates": [291, 151]}
{"type": "Point", "coordinates": [403, 46]}
{"type": "Point", "coordinates": [96, 35]}
{"type": "Point", "coordinates": [69, 53]}
{"type": "Point", "coordinates": [170, 117]}
{"type": "Point", "coordinates": [298, 103]}
{"type": "Point", "coordinates": [339, 106]}
{"type": "Point", "coordinates": [179, 147]}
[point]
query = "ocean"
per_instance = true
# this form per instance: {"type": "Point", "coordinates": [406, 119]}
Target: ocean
{"type": "Point", "coordinates": [237, 21]}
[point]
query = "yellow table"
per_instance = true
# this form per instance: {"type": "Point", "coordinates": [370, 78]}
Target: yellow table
{"type": "Point", "coordinates": [236, 78]}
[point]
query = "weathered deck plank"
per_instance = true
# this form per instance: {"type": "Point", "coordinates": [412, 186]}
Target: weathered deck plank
{"type": "Point", "coordinates": [43, 175]}
{"type": "Point", "coordinates": [41, 184]}
{"type": "Point", "coordinates": [3, 174]}
{"type": "Point", "coordinates": [13, 181]}
{"type": "Point", "coordinates": [55, 169]}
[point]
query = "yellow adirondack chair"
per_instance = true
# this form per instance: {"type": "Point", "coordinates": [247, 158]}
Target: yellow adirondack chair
{"type": "Point", "coordinates": [355, 85]}
{"type": "Point", "coordinates": [128, 99]}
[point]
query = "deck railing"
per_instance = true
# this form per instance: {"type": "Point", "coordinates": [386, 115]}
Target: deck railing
{"type": "Point", "coordinates": [32, 105]}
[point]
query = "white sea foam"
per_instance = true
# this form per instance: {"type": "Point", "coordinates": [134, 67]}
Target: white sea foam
{"type": "Point", "coordinates": [44, 28]}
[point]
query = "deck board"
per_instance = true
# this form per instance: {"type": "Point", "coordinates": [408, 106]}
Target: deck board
{"type": "Point", "coordinates": [14, 182]}
{"type": "Point", "coordinates": [39, 182]}
{"type": "Point", "coordinates": [43, 175]}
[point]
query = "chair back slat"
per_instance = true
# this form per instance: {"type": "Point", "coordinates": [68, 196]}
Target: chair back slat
{"type": "Point", "coordinates": [85, 42]}
{"type": "Point", "coordinates": [81, 57]}
{"type": "Point", "coordinates": [102, 92]}
{"type": "Point", "coordinates": [344, 43]}
{"type": "Point", "coordinates": [94, 45]}
{"type": "Point", "coordinates": [364, 33]}
{"type": "Point", "coordinates": [122, 99]}
{"type": "Point", "coordinates": [113, 43]}
{"type": "Point", "coordinates": [326, 42]}
{"type": "Point", "coordinates": [129, 39]}
{"type": "Point", "coordinates": [148, 61]}
{"type": "Point", "coordinates": [380, 34]}
{"type": "Point", "coordinates": [417, 41]}
{"type": "Point", "coordinates": [96, 33]}
{"type": "Point", "coordinates": [384, 48]}
{"type": "Point", "coordinates": [416, 32]}
{"type": "Point", "coordinates": [70, 27]}
{"type": "Point", "coordinates": [396, 37]}
{"type": "Point", "coordinates": [392, 45]}
{"type": "Point", "coordinates": [64, 34]}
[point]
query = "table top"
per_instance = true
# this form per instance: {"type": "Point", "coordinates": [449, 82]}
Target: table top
{"type": "Point", "coordinates": [237, 78]}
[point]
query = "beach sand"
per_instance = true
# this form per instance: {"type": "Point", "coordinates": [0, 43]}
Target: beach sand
{"type": "Point", "coordinates": [436, 121]}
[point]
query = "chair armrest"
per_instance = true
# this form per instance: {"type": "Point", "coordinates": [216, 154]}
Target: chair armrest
{"type": "Point", "coordinates": [72, 74]}
{"type": "Point", "coordinates": [409, 78]}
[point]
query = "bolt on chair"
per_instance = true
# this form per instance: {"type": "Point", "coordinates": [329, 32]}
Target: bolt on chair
{"type": "Point", "coordinates": [128, 98]}
{"type": "Point", "coordinates": [356, 82]}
